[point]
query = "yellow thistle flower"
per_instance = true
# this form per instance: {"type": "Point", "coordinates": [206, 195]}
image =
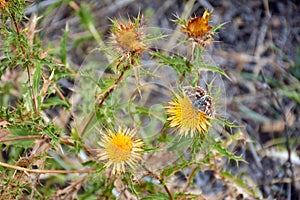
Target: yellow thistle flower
{"type": "Point", "coordinates": [198, 29]}
{"type": "Point", "coordinates": [120, 149]}
{"type": "Point", "coordinates": [128, 38]}
{"type": "Point", "coordinates": [183, 114]}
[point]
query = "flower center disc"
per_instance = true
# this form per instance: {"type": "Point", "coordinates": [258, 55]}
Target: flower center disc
{"type": "Point", "coordinates": [128, 39]}
{"type": "Point", "coordinates": [120, 148]}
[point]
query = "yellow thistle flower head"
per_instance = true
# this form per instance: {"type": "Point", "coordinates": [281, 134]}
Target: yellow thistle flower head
{"type": "Point", "coordinates": [128, 38]}
{"type": "Point", "coordinates": [192, 112]}
{"type": "Point", "coordinates": [120, 149]}
{"type": "Point", "coordinates": [198, 29]}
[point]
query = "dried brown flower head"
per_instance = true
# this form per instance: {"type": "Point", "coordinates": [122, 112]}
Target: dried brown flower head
{"type": "Point", "coordinates": [127, 38]}
{"type": "Point", "coordinates": [198, 29]}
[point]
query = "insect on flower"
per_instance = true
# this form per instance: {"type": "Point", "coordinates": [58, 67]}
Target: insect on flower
{"type": "Point", "coordinates": [200, 99]}
{"type": "Point", "coordinates": [192, 112]}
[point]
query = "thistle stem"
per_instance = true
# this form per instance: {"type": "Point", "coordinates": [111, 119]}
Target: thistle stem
{"type": "Point", "coordinates": [27, 67]}
{"type": "Point", "coordinates": [105, 96]}
{"type": "Point", "coordinates": [161, 182]}
{"type": "Point", "coordinates": [45, 171]}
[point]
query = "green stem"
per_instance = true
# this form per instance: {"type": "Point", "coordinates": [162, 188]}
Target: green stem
{"type": "Point", "coordinates": [105, 96]}
{"type": "Point", "coordinates": [161, 182]}
{"type": "Point", "coordinates": [27, 67]}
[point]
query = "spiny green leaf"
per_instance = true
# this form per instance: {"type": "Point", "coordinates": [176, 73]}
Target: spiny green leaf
{"type": "Point", "coordinates": [54, 102]}
{"type": "Point", "coordinates": [17, 132]}
{"type": "Point", "coordinates": [180, 64]}
{"type": "Point", "coordinates": [216, 69]}
{"type": "Point", "coordinates": [215, 28]}
{"type": "Point", "coordinates": [52, 132]}
{"type": "Point", "coordinates": [170, 60]}
{"type": "Point", "coordinates": [151, 149]}
{"type": "Point", "coordinates": [222, 151]}
{"type": "Point", "coordinates": [174, 168]}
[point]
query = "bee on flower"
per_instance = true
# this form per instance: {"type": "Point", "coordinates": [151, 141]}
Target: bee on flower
{"type": "Point", "coordinates": [120, 149]}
